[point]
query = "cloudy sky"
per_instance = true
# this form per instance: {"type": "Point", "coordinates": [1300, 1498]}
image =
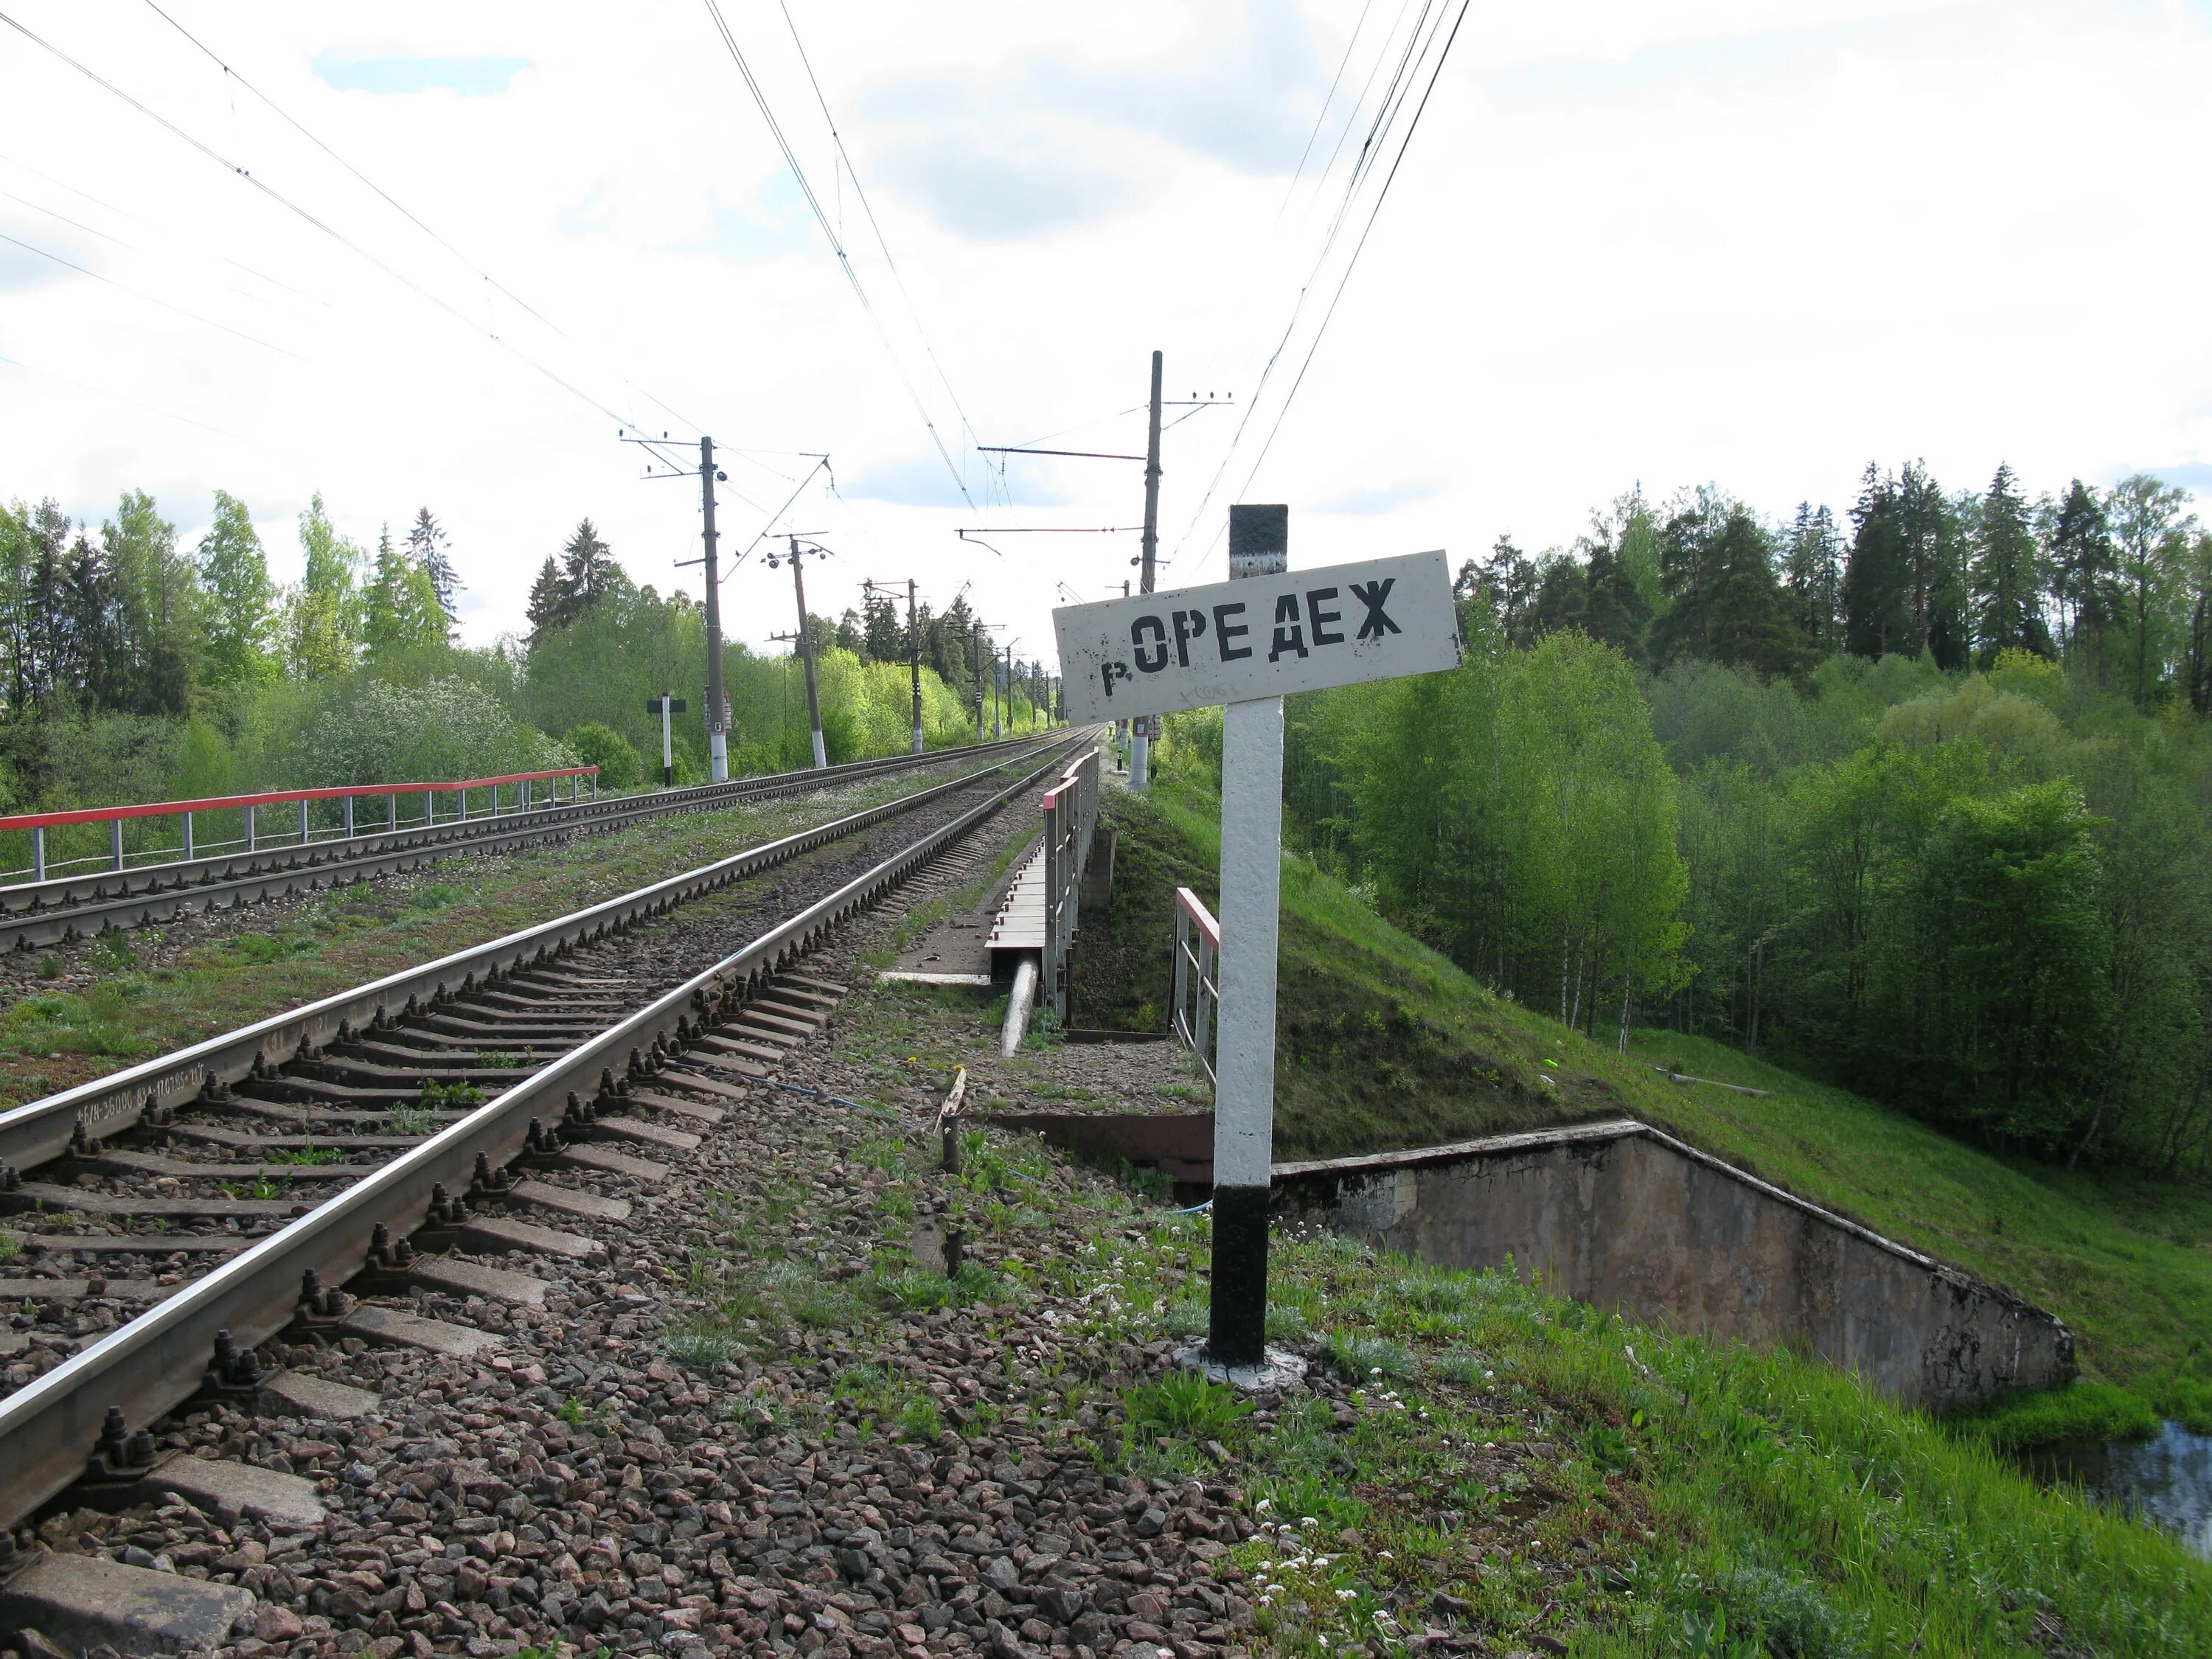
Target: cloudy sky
{"type": "Point", "coordinates": [1665, 241]}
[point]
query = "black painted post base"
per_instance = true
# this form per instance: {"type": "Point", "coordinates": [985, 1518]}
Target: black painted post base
{"type": "Point", "coordinates": [1236, 1327]}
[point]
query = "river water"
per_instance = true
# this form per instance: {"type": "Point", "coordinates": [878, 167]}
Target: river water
{"type": "Point", "coordinates": [2166, 1481]}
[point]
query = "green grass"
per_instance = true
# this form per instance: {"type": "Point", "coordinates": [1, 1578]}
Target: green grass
{"type": "Point", "coordinates": [1385, 1044]}
{"type": "Point", "coordinates": [1789, 1506]}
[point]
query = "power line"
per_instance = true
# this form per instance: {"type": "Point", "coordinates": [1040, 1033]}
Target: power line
{"type": "Point", "coordinates": [208, 322]}
{"type": "Point", "coordinates": [102, 392]}
{"type": "Point", "coordinates": [1391, 102]}
{"type": "Point", "coordinates": [294, 208]}
{"type": "Point", "coordinates": [868, 208]}
{"type": "Point", "coordinates": [836, 244]}
{"type": "Point", "coordinates": [1322, 114]}
{"type": "Point", "coordinates": [393, 203]}
{"type": "Point", "coordinates": [139, 219]}
{"type": "Point", "coordinates": [1351, 263]}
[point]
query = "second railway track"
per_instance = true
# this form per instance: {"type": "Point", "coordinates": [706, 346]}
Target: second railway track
{"type": "Point", "coordinates": [37, 914]}
{"type": "Point", "coordinates": [213, 1198]}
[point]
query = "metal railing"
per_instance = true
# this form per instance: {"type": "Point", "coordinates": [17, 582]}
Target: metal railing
{"type": "Point", "coordinates": [1070, 814]}
{"type": "Point", "coordinates": [253, 832]}
{"type": "Point", "coordinates": [1197, 976]}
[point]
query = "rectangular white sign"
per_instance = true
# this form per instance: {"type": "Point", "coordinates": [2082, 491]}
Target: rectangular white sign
{"type": "Point", "coordinates": [1261, 636]}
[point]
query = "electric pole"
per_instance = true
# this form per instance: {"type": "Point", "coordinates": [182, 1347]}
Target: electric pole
{"type": "Point", "coordinates": [1140, 741]}
{"type": "Point", "coordinates": [913, 658]}
{"type": "Point", "coordinates": [806, 650]}
{"type": "Point", "coordinates": [913, 644]}
{"type": "Point", "coordinates": [718, 707]}
{"type": "Point", "coordinates": [975, 664]}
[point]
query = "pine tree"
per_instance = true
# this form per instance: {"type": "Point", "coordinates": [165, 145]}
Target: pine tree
{"type": "Point", "coordinates": [1748, 625]}
{"type": "Point", "coordinates": [1877, 589]}
{"type": "Point", "coordinates": [1509, 579]}
{"type": "Point", "coordinates": [1813, 579]}
{"type": "Point", "coordinates": [588, 571]}
{"type": "Point", "coordinates": [548, 609]}
{"type": "Point", "coordinates": [881, 631]}
{"type": "Point", "coordinates": [1935, 550]}
{"type": "Point", "coordinates": [427, 545]}
{"type": "Point", "coordinates": [2085, 576]}
{"type": "Point", "coordinates": [1613, 611]}
{"type": "Point", "coordinates": [2005, 574]}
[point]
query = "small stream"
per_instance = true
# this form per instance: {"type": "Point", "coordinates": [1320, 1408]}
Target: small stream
{"type": "Point", "coordinates": [2166, 1481]}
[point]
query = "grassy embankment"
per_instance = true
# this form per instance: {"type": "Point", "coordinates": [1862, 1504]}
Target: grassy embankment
{"type": "Point", "coordinates": [1385, 1043]}
{"type": "Point", "coordinates": [1478, 1458]}
{"type": "Point", "coordinates": [124, 997]}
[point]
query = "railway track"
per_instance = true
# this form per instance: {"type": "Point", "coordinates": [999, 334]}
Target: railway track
{"type": "Point", "coordinates": [34, 915]}
{"type": "Point", "coordinates": [293, 1175]}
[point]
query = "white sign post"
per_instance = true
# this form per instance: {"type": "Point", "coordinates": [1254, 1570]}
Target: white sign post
{"type": "Point", "coordinates": [1246, 643]}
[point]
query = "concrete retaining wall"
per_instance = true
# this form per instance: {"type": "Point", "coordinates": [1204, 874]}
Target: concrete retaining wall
{"type": "Point", "coordinates": [1622, 1216]}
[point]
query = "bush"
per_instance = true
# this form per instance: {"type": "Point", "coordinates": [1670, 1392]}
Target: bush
{"type": "Point", "coordinates": [599, 744]}
{"type": "Point", "coordinates": [445, 729]}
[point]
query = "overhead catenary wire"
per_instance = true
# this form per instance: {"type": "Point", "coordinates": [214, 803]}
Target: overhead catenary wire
{"type": "Point", "coordinates": [138, 219]}
{"type": "Point", "coordinates": [1358, 248]}
{"type": "Point", "coordinates": [302, 213]}
{"type": "Point", "coordinates": [1320, 114]}
{"type": "Point", "coordinates": [393, 202]}
{"type": "Point", "coordinates": [883, 246]}
{"type": "Point", "coordinates": [151, 300]}
{"type": "Point", "coordinates": [120, 397]}
{"type": "Point", "coordinates": [1424, 33]}
{"type": "Point", "coordinates": [836, 244]}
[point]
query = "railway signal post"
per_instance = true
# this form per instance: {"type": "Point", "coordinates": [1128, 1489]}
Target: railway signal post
{"type": "Point", "coordinates": [1245, 644]}
{"type": "Point", "coordinates": [664, 705]}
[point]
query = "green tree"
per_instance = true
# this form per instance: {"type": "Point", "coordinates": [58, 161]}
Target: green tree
{"type": "Point", "coordinates": [401, 617]}
{"type": "Point", "coordinates": [2007, 574]}
{"type": "Point", "coordinates": [1877, 588]}
{"type": "Point", "coordinates": [1723, 603]}
{"type": "Point", "coordinates": [1812, 577]}
{"type": "Point", "coordinates": [2085, 575]}
{"type": "Point", "coordinates": [547, 609]}
{"type": "Point", "coordinates": [2197, 642]}
{"type": "Point", "coordinates": [2020, 1006]}
{"type": "Point", "coordinates": [588, 570]}
{"type": "Point", "coordinates": [2152, 531]}
{"type": "Point", "coordinates": [240, 611]}
{"type": "Point", "coordinates": [153, 632]}
{"type": "Point", "coordinates": [323, 612]}
{"type": "Point", "coordinates": [428, 546]}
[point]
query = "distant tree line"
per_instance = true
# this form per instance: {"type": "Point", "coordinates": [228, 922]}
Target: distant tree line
{"type": "Point", "coordinates": [134, 668]}
{"type": "Point", "coordinates": [2117, 583]}
{"type": "Point", "coordinates": [1920, 801]}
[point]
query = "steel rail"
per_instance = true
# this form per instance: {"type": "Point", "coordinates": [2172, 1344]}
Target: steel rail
{"type": "Point", "coordinates": [42, 1130]}
{"type": "Point", "coordinates": [49, 1428]}
{"type": "Point", "coordinates": [32, 914]}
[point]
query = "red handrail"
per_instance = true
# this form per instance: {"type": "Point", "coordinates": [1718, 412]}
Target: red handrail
{"type": "Point", "coordinates": [217, 803]}
{"type": "Point", "coordinates": [1194, 906]}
